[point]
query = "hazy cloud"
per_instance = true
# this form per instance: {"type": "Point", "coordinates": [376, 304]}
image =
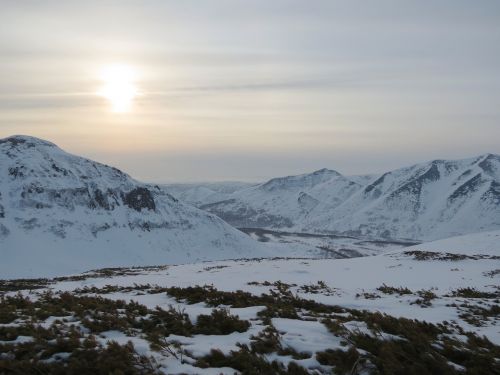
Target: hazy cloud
{"type": "Point", "coordinates": [229, 84]}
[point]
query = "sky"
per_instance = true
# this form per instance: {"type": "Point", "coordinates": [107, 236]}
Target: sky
{"type": "Point", "coordinates": [248, 90]}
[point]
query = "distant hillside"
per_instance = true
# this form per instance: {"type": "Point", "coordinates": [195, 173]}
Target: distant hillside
{"type": "Point", "coordinates": [426, 201]}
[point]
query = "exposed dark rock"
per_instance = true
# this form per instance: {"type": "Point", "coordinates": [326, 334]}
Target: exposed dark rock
{"type": "Point", "coordinates": [385, 234]}
{"type": "Point", "coordinates": [488, 163]}
{"type": "Point", "coordinates": [306, 201]}
{"type": "Point", "coordinates": [139, 198]}
{"type": "Point", "coordinates": [377, 182]}
{"type": "Point", "coordinates": [148, 226]}
{"type": "Point", "coordinates": [14, 141]}
{"type": "Point", "coordinates": [59, 228]}
{"type": "Point", "coordinates": [31, 189]}
{"type": "Point", "coordinates": [466, 188]}
{"type": "Point", "coordinates": [4, 231]}
{"type": "Point", "coordinates": [17, 171]}
{"type": "Point", "coordinates": [30, 224]}
{"type": "Point", "coordinates": [432, 173]}
{"type": "Point", "coordinates": [493, 193]}
{"type": "Point", "coordinates": [101, 228]}
{"type": "Point", "coordinates": [450, 166]}
{"type": "Point", "coordinates": [465, 174]}
{"type": "Point", "coordinates": [58, 169]}
{"type": "Point", "coordinates": [414, 186]}
{"type": "Point", "coordinates": [101, 200]}
{"type": "Point", "coordinates": [17, 140]}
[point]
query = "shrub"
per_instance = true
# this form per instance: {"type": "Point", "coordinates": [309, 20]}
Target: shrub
{"type": "Point", "coordinates": [248, 363]}
{"type": "Point", "coordinates": [166, 322]}
{"type": "Point", "coordinates": [426, 297]}
{"type": "Point", "coordinates": [392, 290]}
{"type": "Point", "coordinates": [474, 293]}
{"type": "Point", "coordinates": [268, 341]}
{"type": "Point", "coordinates": [220, 322]}
{"type": "Point", "coordinates": [420, 348]}
{"type": "Point", "coordinates": [85, 358]}
{"type": "Point", "coordinates": [343, 361]}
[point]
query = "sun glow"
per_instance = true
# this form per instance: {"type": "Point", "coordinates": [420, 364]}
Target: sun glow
{"type": "Point", "coordinates": [118, 86]}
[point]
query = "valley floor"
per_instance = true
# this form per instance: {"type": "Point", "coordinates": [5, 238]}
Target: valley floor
{"type": "Point", "coordinates": [313, 245]}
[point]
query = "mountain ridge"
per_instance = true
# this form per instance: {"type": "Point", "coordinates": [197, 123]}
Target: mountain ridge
{"type": "Point", "coordinates": [420, 202]}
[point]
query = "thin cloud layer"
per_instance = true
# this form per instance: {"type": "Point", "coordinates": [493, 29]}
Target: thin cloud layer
{"type": "Point", "coordinates": [354, 86]}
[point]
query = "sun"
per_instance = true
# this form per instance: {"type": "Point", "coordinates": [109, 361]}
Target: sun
{"type": "Point", "coordinates": [118, 86]}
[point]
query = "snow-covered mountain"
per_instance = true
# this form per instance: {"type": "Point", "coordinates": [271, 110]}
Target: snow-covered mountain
{"type": "Point", "coordinates": [284, 202]}
{"type": "Point", "coordinates": [438, 199]}
{"type": "Point", "coordinates": [60, 213]}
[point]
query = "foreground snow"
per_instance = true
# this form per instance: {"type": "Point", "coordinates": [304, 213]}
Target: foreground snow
{"type": "Point", "coordinates": [445, 281]}
{"type": "Point", "coordinates": [347, 279]}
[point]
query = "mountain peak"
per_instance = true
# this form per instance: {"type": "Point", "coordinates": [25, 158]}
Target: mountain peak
{"type": "Point", "coordinates": [25, 140]}
{"type": "Point", "coordinates": [490, 156]}
{"type": "Point", "coordinates": [323, 171]}
{"type": "Point", "coordinates": [300, 181]}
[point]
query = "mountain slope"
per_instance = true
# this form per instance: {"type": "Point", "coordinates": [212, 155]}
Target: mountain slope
{"type": "Point", "coordinates": [61, 213]}
{"type": "Point", "coordinates": [426, 201]}
{"type": "Point", "coordinates": [468, 244]}
{"type": "Point", "coordinates": [284, 202]}
{"type": "Point", "coordinates": [438, 199]}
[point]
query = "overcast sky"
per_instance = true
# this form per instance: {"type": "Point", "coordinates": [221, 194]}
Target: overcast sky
{"type": "Point", "coordinates": [247, 90]}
